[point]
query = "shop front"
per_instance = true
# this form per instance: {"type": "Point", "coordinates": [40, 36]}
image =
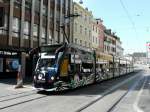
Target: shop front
{"type": "Point", "coordinates": [10, 58]}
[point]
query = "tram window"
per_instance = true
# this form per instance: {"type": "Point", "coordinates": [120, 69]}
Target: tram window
{"type": "Point", "coordinates": [71, 68]}
{"type": "Point", "coordinates": [87, 67]}
{"type": "Point", "coordinates": [60, 54]}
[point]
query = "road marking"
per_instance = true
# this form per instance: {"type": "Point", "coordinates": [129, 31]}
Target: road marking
{"type": "Point", "coordinates": [135, 105]}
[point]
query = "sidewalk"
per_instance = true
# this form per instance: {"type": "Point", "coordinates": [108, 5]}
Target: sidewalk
{"type": "Point", "coordinates": [7, 86]}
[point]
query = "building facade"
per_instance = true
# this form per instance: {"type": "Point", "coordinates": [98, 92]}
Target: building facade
{"type": "Point", "coordinates": [82, 27]}
{"type": "Point", "coordinates": [109, 43]}
{"type": "Point", "coordinates": [101, 34]}
{"type": "Point", "coordinates": [29, 24]}
{"type": "Point", "coordinates": [119, 49]}
{"type": "Point", "coordinates": [95, 35]}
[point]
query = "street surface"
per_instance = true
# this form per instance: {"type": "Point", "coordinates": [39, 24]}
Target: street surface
{"type": "Point", "coordinates": [125, 94]}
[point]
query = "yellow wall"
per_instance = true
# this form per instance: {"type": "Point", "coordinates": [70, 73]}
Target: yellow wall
{"type": "Point", "coordinates": [85, 21]}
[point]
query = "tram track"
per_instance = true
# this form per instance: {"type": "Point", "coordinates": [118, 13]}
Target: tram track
{"type": "Point", "coordinates": [3, 99]}
{"type": "Point", "coordinates": [22, 102]}
{"type": "Point", "coordinates": [13, 94]}
{"type": "Point", "coordinates": [17, 99]}
{"type": "Point", "coordinates": [138, 86]}
{"type": "Point", "coordinates": [10, 102]}
{"type": "Point", "coordinates": [100, 97]}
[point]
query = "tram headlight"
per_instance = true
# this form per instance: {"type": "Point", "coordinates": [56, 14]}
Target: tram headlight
{"type": "Point", "coordinates": [40, 76]}
{"type": "Point", "coordinates": [52, 78]}
{"type": "Point", "coordinates": [34, 77]}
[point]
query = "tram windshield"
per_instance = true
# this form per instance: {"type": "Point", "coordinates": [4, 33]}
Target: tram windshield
{"type": "Point", "coordinates": [46, 62]}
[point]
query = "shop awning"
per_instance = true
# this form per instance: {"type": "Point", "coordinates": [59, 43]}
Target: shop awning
{"type": "Point", "coordinates": [103, 56]}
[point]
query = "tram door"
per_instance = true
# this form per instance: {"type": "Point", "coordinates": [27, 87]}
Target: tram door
{"type": "Point", "coordinates": [64, 67]}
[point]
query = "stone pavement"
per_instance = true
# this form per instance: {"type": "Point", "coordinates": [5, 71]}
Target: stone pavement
{"type": "Point", "coordinates": [7, 87]}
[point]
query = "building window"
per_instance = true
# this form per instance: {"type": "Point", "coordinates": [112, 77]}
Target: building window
{"type": "Point", "coordinates": [52, 14]}
{"type": "Point", "coordinates": [85, 18]}
{"type": "Point", "coordinates": [89, 19]}
{"type": "Point", "coordinates": [105, 48]}
{"type": "Point", "coordinates": [80, 29]}
{"type": "Point", "coordinates": [108, 48]}
{"type": "Point", "coordinates": [44, 11]}
{"type": "Point", "coordinates": [81, 42]}
{"type": "Point", "coordinates": [89, 35]}
{"type": "Point", "coordinates": [75, 40]}
{"type": "Point", "coordinates": [37, 6]}
{"type": "Point", "coordinates": [6, 21]}
{"type": "Point", "coordinates": [85, 31]}
{"type": "Point", "coordinates": [4, 29]}
{"type": "Point", "coordinates": [43, 41]}
{"type": "Point", "coordinates": [93, 39]}
{"type": "Point", "coordinates": [89, 45]}
{"type": "Point", "coordinates": [93, 28]}
{"type": "Point", "coordinates": [81, 14]}
{"type": "Point", "coordinates": [99, 32]}
{"type": "Point", "coordinates": [35, 30]}
{"type": "Point", "coordinates": [76, 29]}
{"type": "Point", "coordinates": [43, 32]}
{"type": "Point", "coordinates": [17, 3]}
{"type": "Point", "coordinates": [26, 29]}
{"type": "Point", "coordinates": [50, 34]}
{"type": "Point", "coordinates": [96, 41]}
{"type": "Point", "coordinates": [85, 43]}
{"type": "Point", "coordinates": [96, 29]}
{"type": "Point", "coordinates": [15, 26]}
{"type": "Point", "coordinates": [28, 4]}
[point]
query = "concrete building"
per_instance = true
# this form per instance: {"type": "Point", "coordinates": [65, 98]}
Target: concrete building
{"type": "Point", "coordinates": [29, 24]}
{"type": "Point", "coordinates": [82, 30]}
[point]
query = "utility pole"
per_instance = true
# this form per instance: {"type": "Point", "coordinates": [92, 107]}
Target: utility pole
{"type": "Point", "coordinates": [63, 26]}
{"type": "Point", "coordinates": [113, 65]}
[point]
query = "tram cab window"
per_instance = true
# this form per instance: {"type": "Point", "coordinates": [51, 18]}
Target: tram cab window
{"type": "Point", "coordinates": [87, 67]}
{"type": "Point", "coordinates": [59, 55]}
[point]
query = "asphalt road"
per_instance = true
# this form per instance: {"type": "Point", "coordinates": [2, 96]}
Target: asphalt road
{"type": "Point", "coordinates": [110, 96]}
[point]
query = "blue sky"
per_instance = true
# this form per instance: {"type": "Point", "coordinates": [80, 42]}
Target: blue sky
{"type": "Point", "coordinates": [134, 31]}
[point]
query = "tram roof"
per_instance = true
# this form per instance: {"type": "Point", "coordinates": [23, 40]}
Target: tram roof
{"type": "Point", "coordinates": [70, 45]}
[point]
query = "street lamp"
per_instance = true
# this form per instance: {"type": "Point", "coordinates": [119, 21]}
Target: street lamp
{"type": "Point", "coordinates": [81, 2]}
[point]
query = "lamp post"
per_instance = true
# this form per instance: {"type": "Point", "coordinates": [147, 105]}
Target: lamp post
{"type": "Point", "coordinates": [81, 2]}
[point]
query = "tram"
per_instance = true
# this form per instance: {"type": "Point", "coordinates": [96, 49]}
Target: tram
{"type": "Point", "coordinates": [66, 66]}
